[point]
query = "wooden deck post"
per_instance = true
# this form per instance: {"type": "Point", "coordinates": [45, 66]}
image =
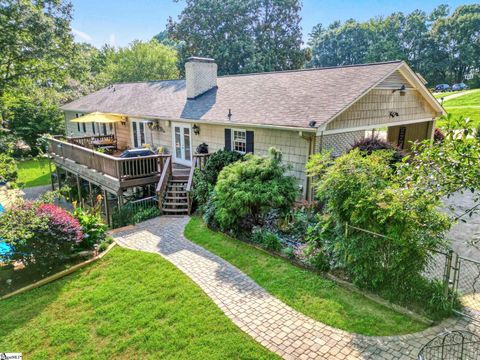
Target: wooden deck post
{"type": "Point", "coordinates": [120, 199]}
{"type": "Point", "coordinates": [90, 194]}
{"type": "Point", "coordinates": [50, 169]}
{"type": "Point", "coordinates": [58, 178]}
{"type": "Point", "coordinates": [79, 190]}
{"type": "Point", "coordinates": [107, 210]}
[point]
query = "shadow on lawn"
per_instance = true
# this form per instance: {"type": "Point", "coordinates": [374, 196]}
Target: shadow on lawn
{"type": "Point", "coordinates": [20, 309]}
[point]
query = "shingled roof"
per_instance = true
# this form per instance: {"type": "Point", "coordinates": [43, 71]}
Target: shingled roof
{"type": "Point", "coordinates": [283, 99]}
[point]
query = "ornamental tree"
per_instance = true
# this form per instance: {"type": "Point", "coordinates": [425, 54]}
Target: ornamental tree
{"type": "Point", "coordinates": [447, 167]}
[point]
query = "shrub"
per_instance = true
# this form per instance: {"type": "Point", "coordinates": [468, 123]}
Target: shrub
{"type": "Point", "coordinates": [123, 216]}
{"type": "Point", "coordinates": [267, 239]}
{"type": "Point", "coordinates": [438, 135]}
{"type": "Point", "coordinates": [370, 144]}
{"type": "Point", "coordinates": [13, 145]}
{"type": "Point", "coordinates": [247, 190]}
{"type": "Point", "coordinates": [289, 252]}
{"type": "Point", "coordinates": [41, 234]}
{"type": "Point", "coordinates": [296, 221]}
{"type": "Point", "coordinates": [364, 192]}
{"type": "Point", "coordinates": [93, 228]}
{"type": "Point", "coordinates": [206, 178]}
{"type": "Point", "coordinates": [129, 215]}
{"type": "Point", "coordinates": [8, 168]}
{"type": "Point", "coordinates": [146, 214]}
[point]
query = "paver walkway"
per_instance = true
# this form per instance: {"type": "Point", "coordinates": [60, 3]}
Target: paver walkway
{"type": "Point", "coordinates": [269, 321]}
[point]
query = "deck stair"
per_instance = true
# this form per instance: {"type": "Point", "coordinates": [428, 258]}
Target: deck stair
{"type": "Point", "coordinates": [175, 201]}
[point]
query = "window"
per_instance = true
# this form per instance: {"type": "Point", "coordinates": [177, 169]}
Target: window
{"type": "Point", "coordinates": [239, 141]}
{"type": "Point", "coordinates": [104, 128]}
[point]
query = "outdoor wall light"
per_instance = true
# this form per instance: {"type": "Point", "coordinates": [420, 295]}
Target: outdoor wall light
{"type": "Point", "coordinates": [196, 129]}
{"type": "Point", "coordinates": [402, 90]}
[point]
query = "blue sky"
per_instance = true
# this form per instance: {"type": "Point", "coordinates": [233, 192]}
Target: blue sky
{"type": "Point", "coordinates": [118, 22]}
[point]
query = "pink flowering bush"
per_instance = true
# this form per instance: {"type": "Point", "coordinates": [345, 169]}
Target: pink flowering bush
{"type": "Point", "coordinates": [41, 234]}
{"type": "Point", "coordinates": [61, 223]}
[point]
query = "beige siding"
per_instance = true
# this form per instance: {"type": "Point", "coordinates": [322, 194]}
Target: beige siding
{"type": "Point", "coordinates": [292, 145]}
{"type": "Point", "coordinates": [413, 132]}
{"type": "Point", "coordinates": [375, 107]}
{"type": "Point", "coordinates": [395, 81]}
{"type": "Point", "coordinates": [72, 129]}
{"type": "Point", "coordinates": [122, 133]}
{"type": "Point", "coordinates": [294, 148]}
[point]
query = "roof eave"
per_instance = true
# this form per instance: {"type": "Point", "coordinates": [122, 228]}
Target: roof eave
{"type": "Point", "coordinates": [210, 122]}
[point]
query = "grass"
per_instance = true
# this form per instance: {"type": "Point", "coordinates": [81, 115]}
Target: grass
{"type": "Point", "coordinates": [472, 98]}
{"type": "Point", "coordinates": [129, 305]}
{"type": "Point", "coordinates": [305, 291]}
{"type": "Point", "coordinates": [34, 172]}
{"type": "Point", "coordinates": [467, 105]}
{"type": "Point", "coordinates": [472, 113]}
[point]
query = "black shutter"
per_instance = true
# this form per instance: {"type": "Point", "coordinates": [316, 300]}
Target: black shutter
{"type": "Point", "coordinates": [93, 128]}
{"type": "Point", "coordinates": [228, 139]}
{"type": "Point", "coordinates": [250, 142]}
{"type": "Point", "coordinates": [78, 124]}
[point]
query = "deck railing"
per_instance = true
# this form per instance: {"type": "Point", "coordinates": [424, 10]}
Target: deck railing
{"type": "Point", "coordinates": [199, 161]}
{"type": "Point", "coordinates": [86, 141]}
{"type": "Point", "coordinates": [119, 168]}
{"type": "Point", "coordinates": [164, 178]}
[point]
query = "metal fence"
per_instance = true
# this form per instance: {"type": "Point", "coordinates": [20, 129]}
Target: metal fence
{"type": "Point", "coordinates": [457, 273]}
{"type": "Point", "coordinates": [466, 282]}
{"type": "Point", "coordinates": [452, 345]}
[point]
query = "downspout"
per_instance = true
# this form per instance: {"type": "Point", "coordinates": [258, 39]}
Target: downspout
{"type": "Point", "coordinates": [311, 151]}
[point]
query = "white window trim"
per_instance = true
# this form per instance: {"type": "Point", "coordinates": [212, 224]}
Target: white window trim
{"type": "Point", "coordinates": [233, 142]}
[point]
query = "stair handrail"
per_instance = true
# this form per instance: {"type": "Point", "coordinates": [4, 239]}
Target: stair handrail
{"type": "Point", "coordinates": [164, 177]}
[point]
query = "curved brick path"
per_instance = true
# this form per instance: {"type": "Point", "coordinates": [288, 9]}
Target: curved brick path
{"type": "Point", "coordinates": [269, 321]}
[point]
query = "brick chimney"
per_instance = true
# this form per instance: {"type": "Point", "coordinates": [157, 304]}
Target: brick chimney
{"type": "Point", "coordinates": [200, 75]}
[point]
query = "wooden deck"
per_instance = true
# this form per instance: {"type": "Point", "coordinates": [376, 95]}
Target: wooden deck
{"type": "Point", "coordinates": [106, 170]}
{"type": "Point", "coordinates": [114, 174]}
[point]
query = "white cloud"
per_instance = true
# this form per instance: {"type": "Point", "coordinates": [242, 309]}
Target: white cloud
{"type": "Point", "coordinates": [112, 39]}
{"type": "Point", "coordinates": [81, 35]}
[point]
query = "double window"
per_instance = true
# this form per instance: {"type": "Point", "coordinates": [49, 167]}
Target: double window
{"type": "Point", "coordinates": [84, 128]}
{"type": "Point", "coordinates": [239, 141]}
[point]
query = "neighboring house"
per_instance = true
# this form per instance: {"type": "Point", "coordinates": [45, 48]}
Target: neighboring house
{"type": "Point", "coordinates": [299, 112]}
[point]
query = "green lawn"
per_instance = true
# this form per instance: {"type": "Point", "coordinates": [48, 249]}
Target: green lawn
{"type": "Point", "coordinates": [467, 105]}
{"type": "Point", "coordinates": [472, 113]}
{"type": "Point", "coordinates": [34, 172]}
{"type": "Point", "coordinates": [313, 295]}
{"type": "Point", "coordinates": [129, 305]}
{"type": "Point", "coordinates": [472, 98]}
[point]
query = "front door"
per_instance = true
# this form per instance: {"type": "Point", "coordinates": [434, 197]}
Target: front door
{"type": "Point", "coordinates": [138, 133]}
{"type": "Point", "coordinates": [182, 144]}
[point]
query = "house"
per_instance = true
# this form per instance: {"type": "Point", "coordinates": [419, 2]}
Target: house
{"type": "Point", "coordinates": [299, 112]}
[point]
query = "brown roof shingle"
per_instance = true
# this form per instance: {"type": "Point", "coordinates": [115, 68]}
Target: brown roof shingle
{"type": "Point", "coordinates": [290, 98]}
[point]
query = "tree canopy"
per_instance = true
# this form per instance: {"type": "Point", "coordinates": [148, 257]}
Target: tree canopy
{"type": "Point", "coordinates": [242, 36]}
{"type": "Point", "coordinates": [142, 61]}
{"type": "Point", "coordinates": [442, 47]}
